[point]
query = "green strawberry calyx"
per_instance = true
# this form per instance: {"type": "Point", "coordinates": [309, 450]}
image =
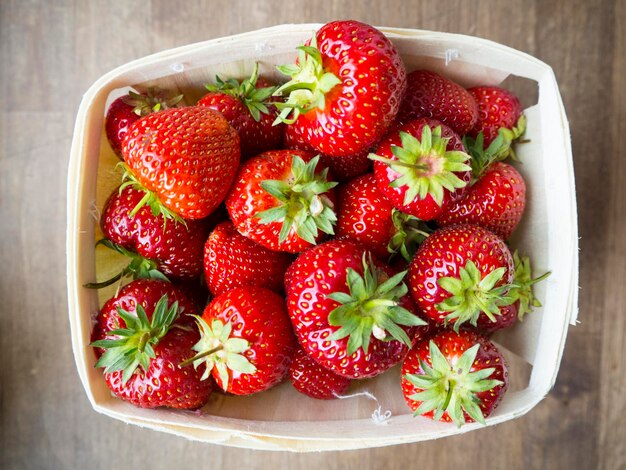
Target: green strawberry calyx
{"type": "Point", "coordinates": [152, 101]}
{"type": "Point", "coordinates": [302, 205]}
{"type": "Point", "coordinates": [451, 388]}
{"type": "Point", "coordinates": [138, 267]}
{"type": "Point", "coordinates": [218, 350]}
{"type": "Point", "coordinates": [371, 307]}
{"type": "Point", "coordinates": [133, 345]}
{"type": "Point", "coordinates": [308, 86]}
{"type": "Point", "coordinates": [523, 282]}
{"type": "Point", "coordinates": [473, 295]}
{"type": "Point", "coordinates": [255, 99]}
{"type": "Point", "coordinates": [426, 167]}
{"type": "Point", "coordinates": [410, 233]}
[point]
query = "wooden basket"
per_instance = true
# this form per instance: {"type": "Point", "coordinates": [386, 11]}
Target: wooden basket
{"type": "Point", "coordinates": [282, 419]}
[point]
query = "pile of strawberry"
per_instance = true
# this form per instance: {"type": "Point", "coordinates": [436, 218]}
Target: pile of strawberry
{"type": "Point", "coordinates": [348, 220]}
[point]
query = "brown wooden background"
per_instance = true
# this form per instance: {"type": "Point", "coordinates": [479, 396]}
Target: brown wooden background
{"type": "Point", "coordinates": [51, 51]}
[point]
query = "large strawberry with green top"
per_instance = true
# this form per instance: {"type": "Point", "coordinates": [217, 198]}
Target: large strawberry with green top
{"type": "Point", "coordinates": [454, 377]}
{"type": "Point", "coordinates": [246, 343]}
{"type": "Point", "coordinates": [460, 274]}
{"type": "Point", "coordinates": [350, 311]}
{"type": "Point", "coordinates": [283, 200]}
{"type": "Point", "coordinates": [421, 168]}
{"type": "Point", "coordinates": [184, 159]}
{"type": "Point", "coordinates": [345, 88]}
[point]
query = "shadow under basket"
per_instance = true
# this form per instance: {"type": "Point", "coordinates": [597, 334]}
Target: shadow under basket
{"type": "Point", "coordinates": [282, 419]}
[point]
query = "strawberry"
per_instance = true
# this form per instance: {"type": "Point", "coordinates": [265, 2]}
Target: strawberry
{"type": "Point", "coordinates": [313, 380]}
{"type": "Point", "coordinates": [282, 199]}
{"type": "Point", "coordinates": [127, 109]}
{"type": "Point", "coordinates": [454, 377]}
{"type": "Point", "coordinates": [421, 168]}
{"type": "Point", "coordinates": [343, 168]}
{"type": "Point", "coordinates": [345, 88]}
{"type": "Point", "coordinates": [497, 109]}
{"type": "Point", "coordinates": [156, 249]}
{"type": "Point", "coordinates": [366, 216]}
{"type": "Point", "coordinates": [246, 340]}
{"type": "Point", "coordinates": [349, 310]}
{"type": "Point", "coordinates": [246, 106]}
{"type": "Point", "coordinates": [429, 95]}
{"type": "Point", "coordinates": [460, 274]}
{"type": "Point", "coordinates": [184, 158]}
{"type": "Point", "coordinates": [232, 260]}
{"type": "Point", "coordinates": [144, 338]}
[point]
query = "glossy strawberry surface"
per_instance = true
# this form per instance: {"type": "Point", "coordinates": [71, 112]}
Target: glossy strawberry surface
{"type": "Point", "coordinates": [311, 379]}
{"type": "Point", "coordinates": [118, 119]}
{"type": "Point", "coordinates": [497, 108]}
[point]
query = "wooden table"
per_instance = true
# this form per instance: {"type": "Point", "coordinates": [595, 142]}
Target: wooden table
{"type": "Point", "coordinates": [52, 51]}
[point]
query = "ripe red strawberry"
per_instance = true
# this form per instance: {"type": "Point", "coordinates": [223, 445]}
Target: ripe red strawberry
{"type": "Point", "coordinates": [497, 109]}
{"type": "Point", "coordinates": [143, 347]}
{"type": "Point", "coordinates": [185, 158]}
{"type": "Point", "coordinates": [349, 310]}
{"type": "Point", "coordinates": [429, 95]}
{"type": "Point", "coordinates": [127, 109]}
{"type": "Point", "coordinates": [366, 216]}
{"type": "Point", "coordinates": [156, 249]}
{"type": "Point", "coordinates": [496, 201]}
{"type": "Point", "coordinates": [246, 106]}
{"type": "Point", "coordinates": [345, 88]}
{"type": "Point", "coordinates": [313, 380]}
{"type": "Point", "coordinates": [421, 168]}
{"type": "Point", "coordinates": [343, 168]}
{"type": "Point", "coordinates": [283, 200]}
{"type": "Point", "coordinates": [232, 260]}
{"type": "Point", "coordinates": [247, 343]}
{"type": "Point", "coordinates": [454, 377]}
{"type": "Point", "coordinates": [461, 273]}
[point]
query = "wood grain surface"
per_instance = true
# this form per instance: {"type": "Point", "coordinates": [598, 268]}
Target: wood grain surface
{"type": "Point", "coordinates": [51, 51]}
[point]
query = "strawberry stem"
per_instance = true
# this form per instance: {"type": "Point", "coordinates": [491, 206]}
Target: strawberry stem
{"type": "Point", "coordinates": [200, 355]}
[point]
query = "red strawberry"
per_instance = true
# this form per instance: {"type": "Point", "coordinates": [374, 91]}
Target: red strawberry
{"type": "Point", "coordinates": [157, 249]}
{"type": "Point", "coordinates": [186, 159]}
{"type": "Point", "coordinates": [144, 346]}
{"type": "Point", "coordinates": [127, 109]}
{"type": "Point", "coordinates": [421, 168]}
{"type": "Point", "coordinates": [366, 216]}
{"type": "Point", "coordinates": [345, 89]}
{"type": "Point", "coordinates": [246, 340]}
{"type": "Point", "coordinates": [343, 168]}
{"type": "Point", "coordinates": [495, 201]}
{"type": "Point", "coordinates": [349, 310]}
{"type": "Point", "coordinates": [282, 200]}
{"type": "Point", "coordinates": [313, 380]}
{"type": "Point", "coordinates": [246, 106]}
{"type": "Point", "coordinates": [232, 260]}
{"type": "Point", "coordinates": [460, 274]}
{"type": "Point", "coordinates": [429, 95]}
{"type": "Point", "coordinates": [454, 377]}
{"type": "Point", "coordinates": [497, 109]}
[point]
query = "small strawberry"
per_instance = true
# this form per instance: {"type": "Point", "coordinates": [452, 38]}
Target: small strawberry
{"type": "Point", "coordinates": [184, 158]}
{"type": "Point", "coordinates": [127, 109]}
{"type": "Point", "coordinates": [313, 380]}
{"type": "Point", "coordinates": [343, 168]}
{"type": "Point", "coordinates": [429, 95]}
{"type": "Point", "coordinates": [460, 274]}
{"type": "Point", "coordinates": [421, 168]}
{"type": "Point", "coordinates": [345, 88]}
{"type": "Point", "coordinates": [156, 249]}
{"type": "Point", "coordinates": [454, 377]}
{"type": "Point", "coordinates": [144, 346]}
{"type": "Point", "coordinates": [246, 343]}
{"type": "Point", "coordinates": [366, 216]}
{"type": "Point", "coordinates": [283, 200]}
{"type": "Point", "coordinates": [232, 260]}
{"type": "Point", "coordinates": [497, 109]}
{"type": "Point", "coordinates": [349, 310]}
{"type": "Point", "coordinates": [246, 106]}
